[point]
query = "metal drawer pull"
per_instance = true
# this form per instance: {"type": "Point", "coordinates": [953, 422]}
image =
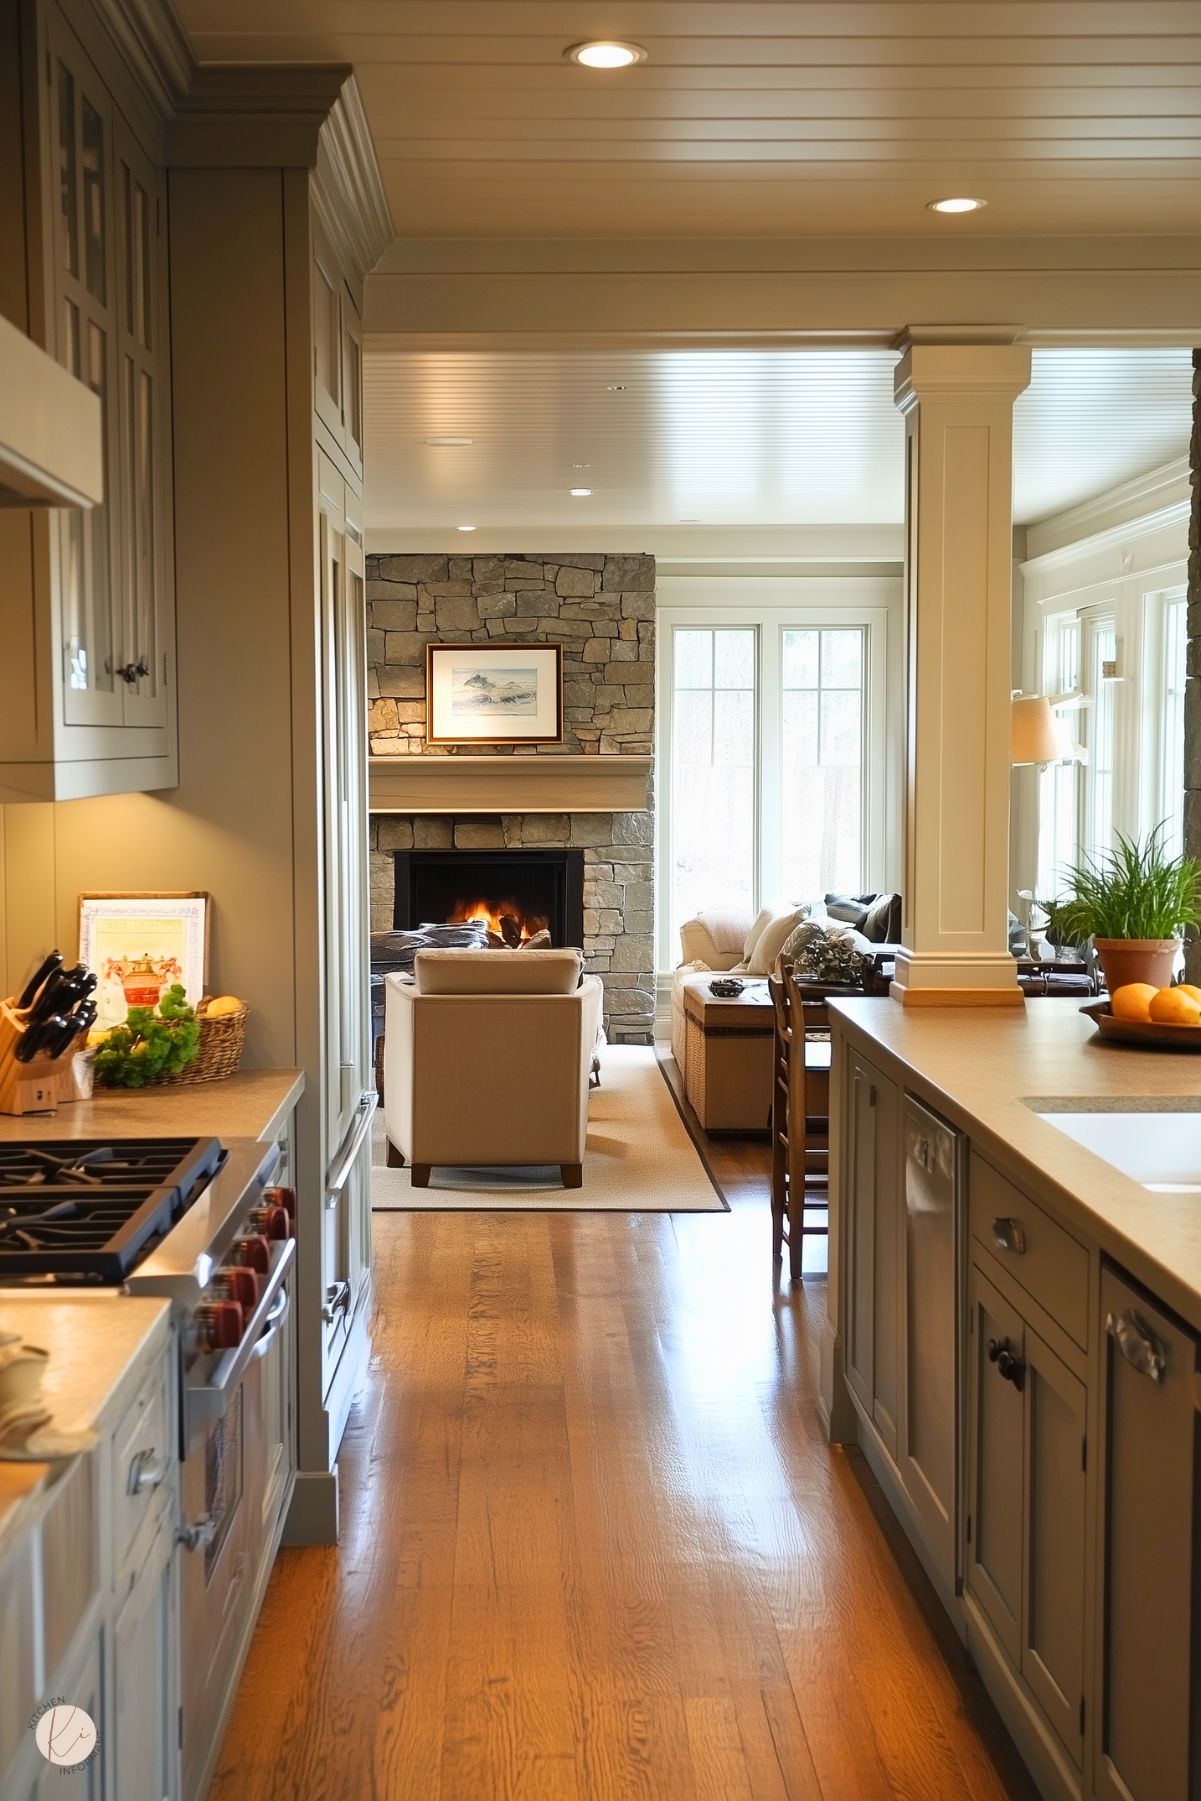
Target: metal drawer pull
{"type": "Point", "coordinates": [200, 1536]}
{"type": "Point", "coordinates": [1138, 1344]}
{"type": "Point", "coordinates": [147, 1470]}
{"type": "Point", "coordinates": [1007, 1235]}
{"type": "Point", "coordinates": [352, 1144]}
{"type": "Point", "coordinates": [337, 1300]}
{"type": "Point", "coordinates": [1009, 1365]}
{"type": "Point", "coordinates": [272, 1326]}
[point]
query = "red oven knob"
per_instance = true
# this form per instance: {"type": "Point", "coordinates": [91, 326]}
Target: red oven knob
{"type": "Point", "coordinates": [220, 1324]}
{"type": "Point", "coordinates": [285, 1198]}
{"type": "Point", "coordinates": [272, 1222]}
{"type": "Point", "coordinates": [240, 1284]}
{"type": "Point", "coordinates": [253, 1253]}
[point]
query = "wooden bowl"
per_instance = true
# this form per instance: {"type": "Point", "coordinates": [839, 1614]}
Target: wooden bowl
{"type": "Point", "coordinates": [1149, 1037]}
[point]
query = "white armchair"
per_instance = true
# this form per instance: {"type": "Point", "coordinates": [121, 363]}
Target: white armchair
{"type": "Point", "coordinates": [487, 1057]}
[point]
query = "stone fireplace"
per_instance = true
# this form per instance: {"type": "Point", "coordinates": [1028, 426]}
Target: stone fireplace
{"type": "Point", "coordinates": [589, 800]}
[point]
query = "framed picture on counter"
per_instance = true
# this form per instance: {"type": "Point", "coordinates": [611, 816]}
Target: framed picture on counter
{"type": "Point", "coordinates": [139, 944]}
{"type": "Point", "coordinates": [494, 693]}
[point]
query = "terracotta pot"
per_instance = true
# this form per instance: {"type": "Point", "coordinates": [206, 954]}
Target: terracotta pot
{"type": "Point", "coordinates": [1127, 960]}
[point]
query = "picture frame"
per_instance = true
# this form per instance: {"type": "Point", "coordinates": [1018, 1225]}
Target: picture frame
{"type": "Point", "coordinates": [138, 944]}
{"type": "Point", "coordinates": [494, 693]}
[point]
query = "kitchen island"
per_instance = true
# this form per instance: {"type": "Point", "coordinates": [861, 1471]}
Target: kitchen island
{"type": "Point", "coordinates": [1012, 1338]}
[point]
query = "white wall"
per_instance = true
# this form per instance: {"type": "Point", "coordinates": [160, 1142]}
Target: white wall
{"type": "Point", "coordinates": [1123, 550]}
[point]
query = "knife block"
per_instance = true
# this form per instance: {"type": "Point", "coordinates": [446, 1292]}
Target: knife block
{"type": "Point", "coordinates": [39, 1086]}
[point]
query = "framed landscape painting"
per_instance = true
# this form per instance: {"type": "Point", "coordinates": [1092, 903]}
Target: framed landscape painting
{"type": "Point", "coordinates": [494, 693]}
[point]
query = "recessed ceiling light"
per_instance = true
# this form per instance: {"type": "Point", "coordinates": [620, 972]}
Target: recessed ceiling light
{"type": "Point", "coordinates": [958, 204]}
{"type": "Point", "coordinates": [467, 528]}
{"type": "Point", "coordinates": [450, 441]}
{"type": "Point", "coordinates": [606, 53]}
{"type": "Point", "coordinates": [581, 465]}
{"type": "Point", "coordinates": [580, 493]}
{"type": "Point", "coordinates": [615, 387]}
{"type": "Point", "coordinates": [687, 521]}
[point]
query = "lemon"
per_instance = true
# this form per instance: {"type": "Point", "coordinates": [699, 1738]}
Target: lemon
{"type": "Point", "coordinates": [222, 1005]}
{"type": "Point", "coordinates": [1172, 1007]}
{"type": "Point", "coordinates": [1133, 1001]}
{"type": "Point", "coordinates": [1193, 992]}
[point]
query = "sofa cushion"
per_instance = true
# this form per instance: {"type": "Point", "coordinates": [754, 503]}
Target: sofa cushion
{"type": "Point", "coordinates": [752, 938]}
{"type": "Point", "coordinates": [883, 922]}
{"type": "Point", "coordinates": [772, 938]}
{"type": "Point", "coordinates": [849, 909]}
{"type": "Point", "coordinates": [498, 972]}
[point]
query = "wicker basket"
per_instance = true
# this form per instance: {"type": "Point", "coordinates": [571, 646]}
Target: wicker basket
{"type": "Point", "coordinates": [221, 1042]}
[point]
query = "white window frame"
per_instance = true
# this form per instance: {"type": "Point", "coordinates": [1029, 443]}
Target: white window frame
{"type": "Point", "coordinates": [822, 604]}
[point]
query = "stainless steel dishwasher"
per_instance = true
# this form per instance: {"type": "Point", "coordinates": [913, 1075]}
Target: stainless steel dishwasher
{"type": "Point", "coordinates": [927, 1440]}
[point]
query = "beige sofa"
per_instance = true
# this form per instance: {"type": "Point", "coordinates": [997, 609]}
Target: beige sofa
{"type": "Point", "coordinates": [487, 1056]}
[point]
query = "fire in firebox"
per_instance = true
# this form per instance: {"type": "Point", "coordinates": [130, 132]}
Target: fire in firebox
{"type": "Point", "coordinates": [508, 925]}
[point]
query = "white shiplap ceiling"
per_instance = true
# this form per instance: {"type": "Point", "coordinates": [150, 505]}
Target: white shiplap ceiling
{"type": "Point", "coordinates": [753, 119]}
{"type": "Point", "coordinates": [726, 437]}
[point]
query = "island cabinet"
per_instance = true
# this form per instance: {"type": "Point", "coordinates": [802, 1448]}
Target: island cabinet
{"type": "Point", "coordinates": [873, 1175]}
{"type": "Point", "coordinates": [88, 610]}
{"type": "Point", "coordinates": [1033, 1415]}
{"type": "Point", "coordinates": [1149, 1574]}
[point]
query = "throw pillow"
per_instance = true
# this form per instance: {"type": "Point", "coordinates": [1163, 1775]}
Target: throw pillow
{"type": "Point", "coordinates": [771, 940]}
{"type": "Point", "coordinates": [847, 908]}
{"type": "Point", "coordinates": [752, 937]}
{"type": "Point", "coordinates": [876, 924]}
{"type": "Point", "coordinates": [394, 951]}
{"type": "Point", "coordinates": [799, 937]}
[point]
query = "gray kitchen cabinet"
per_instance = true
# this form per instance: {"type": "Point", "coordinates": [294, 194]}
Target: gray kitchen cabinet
{"type": "Point", "coordinates": [1145, 1737]}
{"type": "Point", "coordinates": [83, 1684]}
{"type": "Point", "coordinates": [1025, 1524]}
{"type": "Point", "coordinates": [88, 605]}
{"type": "Point", "coordinates": [337, 349]}
{"type": "Point", "coordinates": [144, 1702]}
{"type": "Point", "coordinates": [873, 1198]}
{"type": "Point", "coordinates": [927, 1452]}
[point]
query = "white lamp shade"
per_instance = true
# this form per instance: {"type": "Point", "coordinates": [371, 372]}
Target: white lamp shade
{"type": "Point", "coordinates": [1032, 734]}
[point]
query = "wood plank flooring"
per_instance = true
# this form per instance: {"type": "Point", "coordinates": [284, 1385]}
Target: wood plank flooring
{"type": "Point", "coordinates": [595, 1546]}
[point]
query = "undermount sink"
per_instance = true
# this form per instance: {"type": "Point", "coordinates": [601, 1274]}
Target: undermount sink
{"type": "Point", "coordinates": [1162, 1150]}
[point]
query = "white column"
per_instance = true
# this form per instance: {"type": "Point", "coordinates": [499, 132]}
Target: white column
{"type": "Point", "coordinates": [958, 405]}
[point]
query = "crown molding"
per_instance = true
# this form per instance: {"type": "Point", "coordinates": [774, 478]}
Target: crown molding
{"type": "Point", "coordinates": [349, 183]}
{"type": "Point", "coordinates": [1142, 504]}
{"type": "Point", "coordinates": [153, 46]}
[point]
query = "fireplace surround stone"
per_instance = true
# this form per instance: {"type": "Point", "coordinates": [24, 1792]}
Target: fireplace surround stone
{"type": "Point", "coordinates": [601, 609]}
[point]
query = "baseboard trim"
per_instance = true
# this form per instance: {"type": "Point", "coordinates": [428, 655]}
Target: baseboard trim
{"type": "Point", "coordinates": [313, 1515]}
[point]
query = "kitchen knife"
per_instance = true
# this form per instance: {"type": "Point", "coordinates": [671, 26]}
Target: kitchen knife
{"type": "Point", "coordinates": [44, 970]}
{"type": "Point", "coordinates": [39, 1036]}
{"type": "Point", "coordinates": [62, 990]}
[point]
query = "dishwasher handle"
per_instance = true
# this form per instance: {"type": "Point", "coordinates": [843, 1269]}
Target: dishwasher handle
{"type": "Point", "coordinates": [1137, 1343]}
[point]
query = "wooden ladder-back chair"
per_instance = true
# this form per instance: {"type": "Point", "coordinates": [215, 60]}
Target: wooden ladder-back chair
{"type": "Point", "coordinates": [800, 1124]}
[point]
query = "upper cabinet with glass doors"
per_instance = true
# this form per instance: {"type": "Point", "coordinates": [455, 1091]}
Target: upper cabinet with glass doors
{"type": "Point", "coordinates": [98, 715]}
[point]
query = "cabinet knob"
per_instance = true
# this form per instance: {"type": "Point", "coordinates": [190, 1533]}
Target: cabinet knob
{"type": "Point", "coordinates": [1008, 1235]}
{"type": "Point", "coordinates": [1009, 1365]}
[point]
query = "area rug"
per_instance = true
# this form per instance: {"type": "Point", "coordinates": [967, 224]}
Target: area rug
{"type": "Point", "coordinates": [639, 1158]}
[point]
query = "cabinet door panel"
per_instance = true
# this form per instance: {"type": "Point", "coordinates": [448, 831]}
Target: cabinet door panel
{"type": "Point", "coordinates": [327, 335]}
{"type": "Point", "coordinates": [83, 1687]}
{"type": "Point", "coordinates": [143, 1689]}
{"type": "Point", "coordinates": [928, 1437]}
{"type": "Point", "coordinates": [995, 1467]}
{"type": "Point", "coordinates": [352, 380]}
{"type": "Point", "coordinates": [81, 120]}
{"type": "Point", "coordinates": [141, 360]}
{"type": "Point", "coordinates": [1053, 1629]}
{"type": "Point", "coordinates": [1148, 1594]}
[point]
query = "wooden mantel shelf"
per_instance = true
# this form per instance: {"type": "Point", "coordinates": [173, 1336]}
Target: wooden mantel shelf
{"type": "Point", "coordinates": [517, 784]}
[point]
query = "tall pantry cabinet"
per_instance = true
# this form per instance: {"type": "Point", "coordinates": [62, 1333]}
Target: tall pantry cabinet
{"type": "Point", "coordinates": [276, 216]}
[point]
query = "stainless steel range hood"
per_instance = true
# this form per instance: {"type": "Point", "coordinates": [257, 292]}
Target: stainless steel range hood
{"type": "Point", "coordinates": [50, 447]}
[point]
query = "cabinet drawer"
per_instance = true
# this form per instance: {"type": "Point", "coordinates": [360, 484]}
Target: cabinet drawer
{"type": "Point", "coordinates": [143, 1464]}
{"type": "Point", "coordinates": [1038, 1253]}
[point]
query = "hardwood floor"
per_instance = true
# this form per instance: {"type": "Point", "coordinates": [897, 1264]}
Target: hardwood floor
{"type": "Point", "coordinates": [595, 1546]}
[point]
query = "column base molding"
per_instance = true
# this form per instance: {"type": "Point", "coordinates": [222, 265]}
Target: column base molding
{"type": "Point", "coordinates": [941, 979]}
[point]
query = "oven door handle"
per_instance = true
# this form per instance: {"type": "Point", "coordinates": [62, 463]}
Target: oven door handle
{"type": "Point", "coordinates": [273, 1326]}
{"type": "Point", "coordinates": [207, 1397]}
{"type": "Point", "coordinates": [352, 1144]}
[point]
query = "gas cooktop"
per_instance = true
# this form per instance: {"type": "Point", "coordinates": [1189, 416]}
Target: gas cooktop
{"type": "Point", "coordinates": [89, 1212]}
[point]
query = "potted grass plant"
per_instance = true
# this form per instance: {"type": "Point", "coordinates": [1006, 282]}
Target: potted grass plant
{"type": "Point", "coordinates": [1134, 902]}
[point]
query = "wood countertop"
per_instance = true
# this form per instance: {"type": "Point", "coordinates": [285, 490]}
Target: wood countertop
{"type": "Point", "coordinates": [253, 1104]}
{"type": "Point", "coordinates": [94, 1341]}
{"type": "Point", "coordinates": [980, 1067]}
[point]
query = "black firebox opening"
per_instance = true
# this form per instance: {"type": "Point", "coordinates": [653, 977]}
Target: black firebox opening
{"type": "Point", "coordinates": [518, 892]}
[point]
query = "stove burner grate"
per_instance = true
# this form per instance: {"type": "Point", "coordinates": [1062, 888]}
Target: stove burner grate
{"type": "Point", "coordinates": [89, 1212]}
